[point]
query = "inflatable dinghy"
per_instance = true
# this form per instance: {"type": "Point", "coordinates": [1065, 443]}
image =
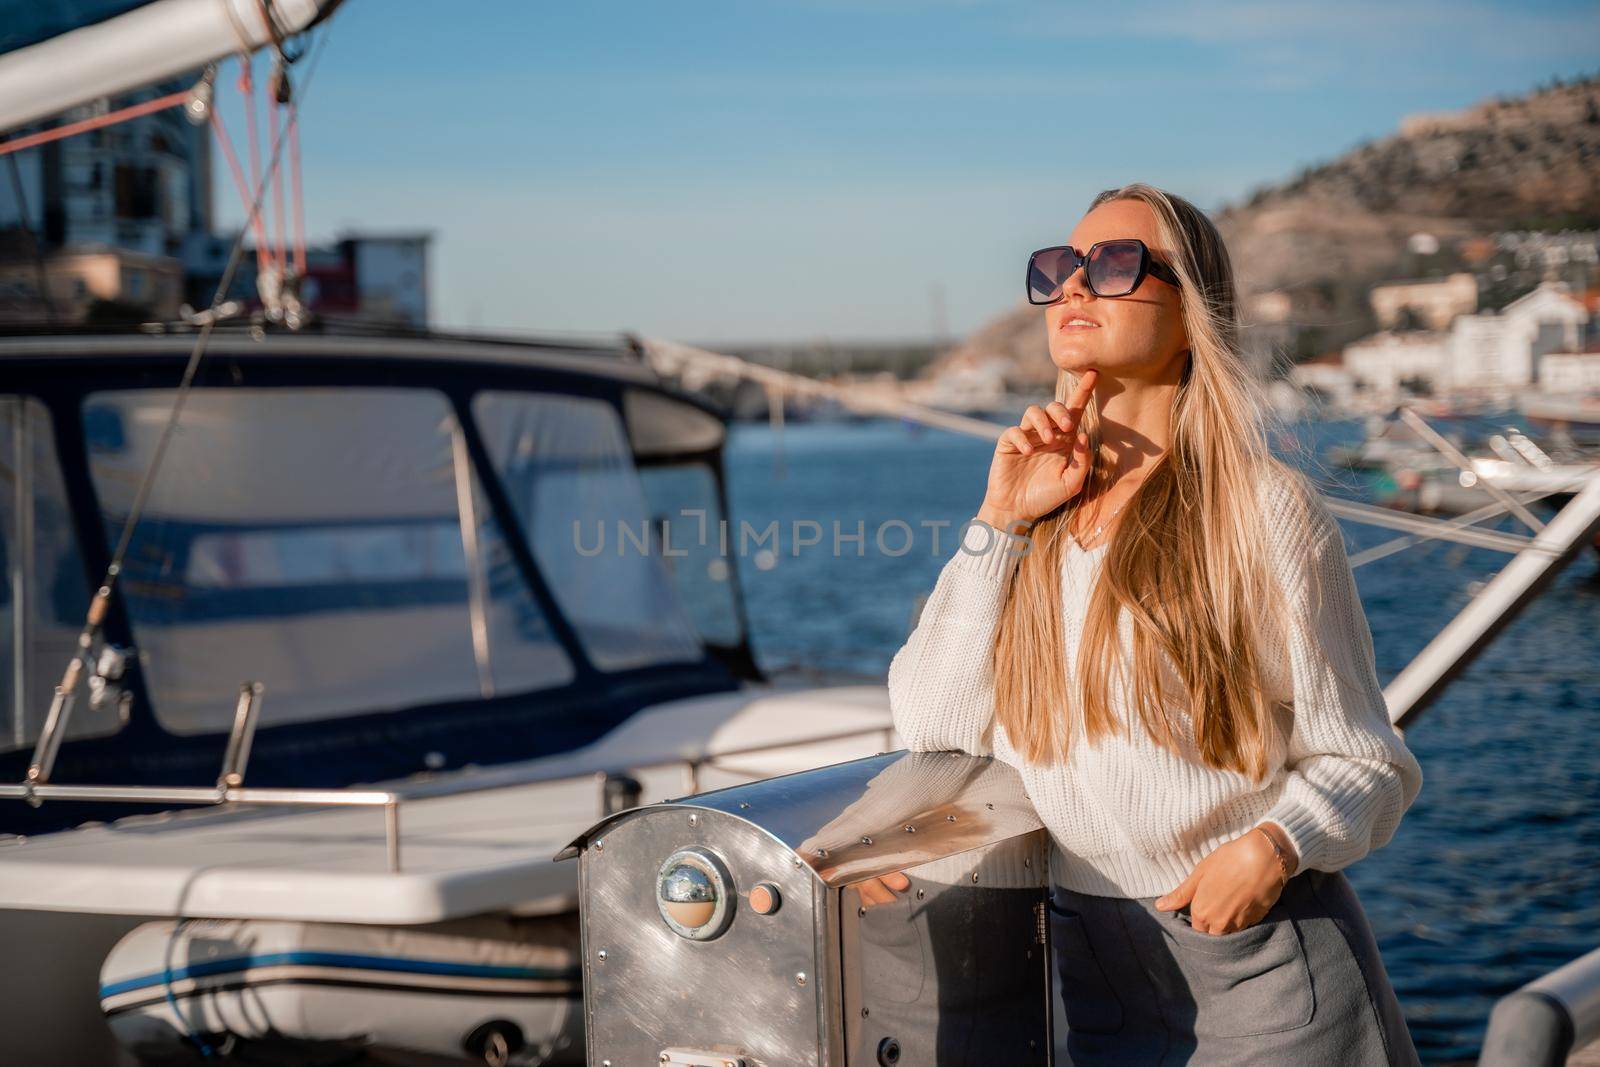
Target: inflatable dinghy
{"type": "Point", "coordinates": [494, 989]}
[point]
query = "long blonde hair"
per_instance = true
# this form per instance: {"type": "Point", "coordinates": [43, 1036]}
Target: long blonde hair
{"type": "Point", "coordinates": [1187, 562]}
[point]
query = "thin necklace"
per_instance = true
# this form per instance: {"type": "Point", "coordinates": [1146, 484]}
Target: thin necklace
{"type": "Point", "coordinates": [1095, 533]}
{"type": "Point", "coordinates": [1097, 530]}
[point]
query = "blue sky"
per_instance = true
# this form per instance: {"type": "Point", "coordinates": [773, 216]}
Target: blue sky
{"type": "Point", "coordinates": [816, 169]}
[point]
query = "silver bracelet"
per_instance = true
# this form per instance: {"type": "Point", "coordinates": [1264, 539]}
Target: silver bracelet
{"type": "Point", "coordinates": [1283, 861]}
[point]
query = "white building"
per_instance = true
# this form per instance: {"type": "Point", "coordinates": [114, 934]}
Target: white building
{"type": "Point", "coordinates": [1502, 349]}
{"type": "Point", "coordinates": [1505, 348]}
{"type": "Point", "coordinates": [1570, 373]}
{"type": "Point", "coordinates": [1384, 360]}
{"type": "Point", "coordinates": [1435, 301]}
{"type": "Point", "coordinates": [143, 185]}
{"type": "Point", "coordinates": [391, 273]}
{"type": "Point", "coordinates": [1326, 376]}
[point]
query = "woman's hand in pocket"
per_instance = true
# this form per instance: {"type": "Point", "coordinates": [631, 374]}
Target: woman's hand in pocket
{"type": "Point", "coordinates": [1231, 888]}
{"type": "Point", "coordinates": [881, 890]}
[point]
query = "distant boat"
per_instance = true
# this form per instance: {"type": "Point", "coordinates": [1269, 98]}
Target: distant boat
{"type": "Point", "coordinates": [1579, 416]}
{"type": "Point", "coordinates": [1387, 445]}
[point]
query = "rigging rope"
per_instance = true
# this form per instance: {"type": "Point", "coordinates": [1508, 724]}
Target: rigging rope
{"type": "Point", "coordinates": [281, 98]}
{"type": "Point", "coordinates": [297, 197]}
{"type": "Point", "coordinates": [39, 771]}
{"type": "Point", "coordinates": [110, 118]}
{"type": "Point", "coordinates": [277, 192]}
{"type": "Point", "coordinates": [247, 90]}
{"type": "Point", "coordinates": [239, 179]}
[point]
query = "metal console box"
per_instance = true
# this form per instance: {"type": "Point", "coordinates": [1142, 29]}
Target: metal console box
{"type": "Point", "coordinates": [764, 925]}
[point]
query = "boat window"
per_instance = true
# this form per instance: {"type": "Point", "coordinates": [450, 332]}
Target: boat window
{"type": "Point", "coordinates": [660, 426]}
{"type": "Point", "coordinates": [332, 544]}
{"type": "Point", "coordinates": [44, 594]}
{"type": "Point", "coordinates": [566, 465]}
{"type": "Point", "coordinates": [685, 507]}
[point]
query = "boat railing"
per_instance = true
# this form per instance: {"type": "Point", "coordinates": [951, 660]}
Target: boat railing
{"type": "Point", "coordinates": [1547, 1020]}
{"type": "Point", "coordinates": [230, 788]}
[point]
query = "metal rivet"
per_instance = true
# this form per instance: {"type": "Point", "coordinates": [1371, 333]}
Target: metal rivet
{"type": "Point", "coordinates": [663, 1058]}
{"type": "Point", "coordinates": [693, 819]}
{"type": "Point", "coordinates": [921, 893]}
{"type": "Point", "coordinates": [865, 840]}
{"type": "Point", "coordinates": [801, 978]}
{"type": "Point", "coordinates": [864, 1013]}
{"type": "Point", "coordinates": [744, 805]}
{"type": "Point", "coordinates": [974, 877]}
{"type": "Point", "coordinates": [949, 818]}
{"type": "Point", "coordinates": [910, 829]}
{"type": "Point", "coordinates": [860, 912]}
{"type": "Point", "coordinates": [600, 955]}
{"type": "Point", "coordinates": [1027, 862]}
{"type": "Point", "coordinates": [822, 853]}
{"type": "Point", "coordinates": [599, 844]}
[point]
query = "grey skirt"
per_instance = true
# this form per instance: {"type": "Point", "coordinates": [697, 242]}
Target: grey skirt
{"type": "Point", "coordinates": [1303, 986]}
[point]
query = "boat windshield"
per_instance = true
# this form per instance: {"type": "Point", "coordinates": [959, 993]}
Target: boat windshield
{"type": "Point", "coordinates": [335, 544]}
{"type": "Point", "coordinates": [43, 591]}
{"type": "Point", "coordinates": [566, 464]}
{"type": "Point", "coordinates": [685, 505]}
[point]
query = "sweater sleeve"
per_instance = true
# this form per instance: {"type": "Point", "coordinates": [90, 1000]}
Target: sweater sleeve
{"type": "Point", "coordinates": [1350, 776]}
{"type": "Point", "coordinates": [918, 784]}
{"type": "Point", "coordinates": [941, 685]}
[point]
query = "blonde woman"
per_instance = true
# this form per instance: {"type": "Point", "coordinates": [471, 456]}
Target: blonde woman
{"type": "Point", "coordinates": [1154, 620]}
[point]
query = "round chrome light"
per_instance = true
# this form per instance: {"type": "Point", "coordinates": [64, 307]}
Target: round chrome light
{"type": "Point", "coordinates": [694, 894]}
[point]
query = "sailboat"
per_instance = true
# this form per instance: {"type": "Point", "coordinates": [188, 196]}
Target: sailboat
{"type": "Point", "coordinates": [322, 642]}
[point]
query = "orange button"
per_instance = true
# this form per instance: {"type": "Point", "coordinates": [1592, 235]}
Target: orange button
{"type": "Point", "coordinates": [764, 898]}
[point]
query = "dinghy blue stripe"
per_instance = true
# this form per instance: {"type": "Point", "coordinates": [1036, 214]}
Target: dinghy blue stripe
{"type": "Point", "coordinates": [344, 960]}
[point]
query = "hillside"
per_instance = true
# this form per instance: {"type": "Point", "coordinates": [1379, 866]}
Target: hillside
{"type": "Point", "coordinates": [1319, 240]}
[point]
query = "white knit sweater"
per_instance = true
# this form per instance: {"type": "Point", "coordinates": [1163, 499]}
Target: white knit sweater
{"type": "Point", "coordinates": [1128, 817]}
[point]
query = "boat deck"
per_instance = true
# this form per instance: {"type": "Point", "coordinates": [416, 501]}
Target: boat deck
{"type": "Point", "coordinates": [461, 852]}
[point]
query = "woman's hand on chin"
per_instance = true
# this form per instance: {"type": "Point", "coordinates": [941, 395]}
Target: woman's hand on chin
{"type": "Point", "coordinates": [1040, 463]}
{"type": "Point", "coordinates": [1231, 888]}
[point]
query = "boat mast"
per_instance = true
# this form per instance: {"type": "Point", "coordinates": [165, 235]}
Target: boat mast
{"type": "Point", "coordinates": [151, 43]}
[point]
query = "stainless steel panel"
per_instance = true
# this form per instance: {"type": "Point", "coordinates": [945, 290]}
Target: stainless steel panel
{"type": "Point", "coordinates": [741, 993]}
{"type": "Point", "coordinates": [870, 816]}
{"type": "Point", "coordinates": [954, 970]}
{"type": "Point", "coordinates": [952, 973]}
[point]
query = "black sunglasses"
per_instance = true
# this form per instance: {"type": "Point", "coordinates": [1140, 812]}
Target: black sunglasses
{"type": "Point", "coordinates": [1111, 268]}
